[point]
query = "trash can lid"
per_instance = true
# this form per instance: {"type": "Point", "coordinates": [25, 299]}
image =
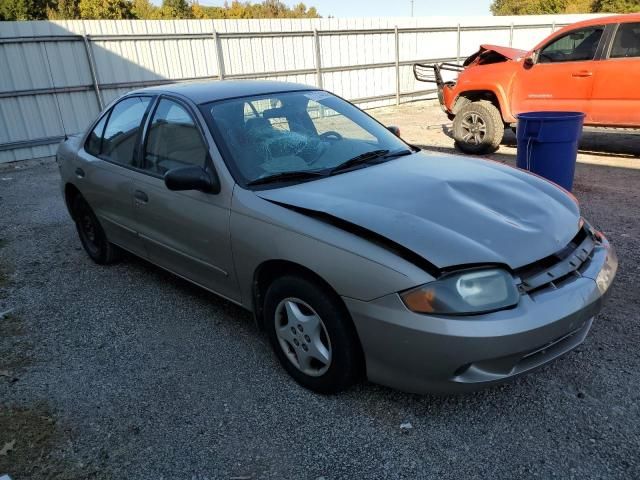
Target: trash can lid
{"type": "Point", "coordinates": [550, 115]}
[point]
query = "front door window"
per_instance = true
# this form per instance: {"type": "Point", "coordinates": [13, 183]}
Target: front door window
{"type": "Point", "coordinates": [173, 140]}
{"type": "Point", "coordinates": [579, 45]}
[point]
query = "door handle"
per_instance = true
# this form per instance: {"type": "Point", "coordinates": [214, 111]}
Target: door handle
{"type": "Point", "coordinates": [140, 196]}
{"type": "Point", "coordinates": [79, 172]}
{"type": "Point", "coordinates": [582, 73]}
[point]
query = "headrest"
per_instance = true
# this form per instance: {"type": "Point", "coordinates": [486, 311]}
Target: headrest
{"type": "Point", "coordinates": [629, 39]}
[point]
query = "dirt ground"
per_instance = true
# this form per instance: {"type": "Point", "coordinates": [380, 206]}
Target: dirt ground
{"type": "Point", "coordinates": [129, 372]}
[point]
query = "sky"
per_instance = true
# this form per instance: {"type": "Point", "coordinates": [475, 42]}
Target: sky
{"type": "Point", "coordinates": [388, 8]}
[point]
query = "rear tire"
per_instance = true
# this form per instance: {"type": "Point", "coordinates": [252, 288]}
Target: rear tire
{"type": "Point", "coordinates": [312, 334]}
{"type": "Point", "coordinates": [92, 235]}
{"type": "Point", "coordinates": [478, 128]}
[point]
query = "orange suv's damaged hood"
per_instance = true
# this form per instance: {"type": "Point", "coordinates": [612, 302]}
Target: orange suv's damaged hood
{"type": "Point", "coordinates": [487, 54]}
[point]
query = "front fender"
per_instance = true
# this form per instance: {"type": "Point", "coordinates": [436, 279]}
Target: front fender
{"type": "Point", "coordinates": [490, 80]}
{"type": "Point", "coordinates": [353, 266]}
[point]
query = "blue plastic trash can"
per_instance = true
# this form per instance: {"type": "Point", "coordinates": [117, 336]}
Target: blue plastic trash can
{"type": "Point", "coordinates": [548, 144]}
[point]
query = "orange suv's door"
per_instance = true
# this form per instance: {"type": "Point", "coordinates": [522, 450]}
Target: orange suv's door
{"type": "Point", "coordinates": [616, 90]}
{"type": "Point", "coordinates": [562, 76]}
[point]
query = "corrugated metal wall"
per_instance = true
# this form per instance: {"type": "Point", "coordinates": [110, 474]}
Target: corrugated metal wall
{"type": "Point", "coordinates": [49, 71]}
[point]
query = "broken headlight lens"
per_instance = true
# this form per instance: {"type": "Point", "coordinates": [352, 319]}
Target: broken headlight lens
{"type": "Point", "coordinates": [464, 293]}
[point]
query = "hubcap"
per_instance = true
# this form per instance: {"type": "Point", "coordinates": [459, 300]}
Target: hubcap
{"type": "Point", "coordinates": [303, 337]}
{"type": "Point", "coordinates": [474, 129]}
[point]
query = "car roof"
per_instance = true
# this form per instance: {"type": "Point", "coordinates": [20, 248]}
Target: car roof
{"type": "Point", "coordinates": [601, 20]}
{"type": "Point", "coordinates": [604, 20]}
{"type": "Point", "coordinates": [210, 91]}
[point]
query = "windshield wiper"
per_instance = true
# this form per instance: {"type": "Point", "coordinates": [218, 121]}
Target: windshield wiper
{"type": "Point", "coordinates": [357, 160]}
{"type": "Point", "coordinates": [308, 174]}
{"type": "Point", "coordinates": [399, 153]}
{"type": "Point", "coordinates": [283, 176]}
{"type": "Point", "coordinates": [369, 156]}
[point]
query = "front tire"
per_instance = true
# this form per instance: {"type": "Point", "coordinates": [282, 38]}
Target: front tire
{"type": "Point", "coordinates": [312, 334]}
{"type": "Point", "coordinates": [91, 234]}
{"type": "Point", "coordinates": [478, 128]}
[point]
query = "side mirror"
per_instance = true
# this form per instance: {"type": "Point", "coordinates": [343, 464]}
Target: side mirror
{"type": "Point", "coordinates": [395, 130]}
{"type": "Point", "coordinates": [529, 60]}
{"type": "Point", "coordinates": [192, 178]}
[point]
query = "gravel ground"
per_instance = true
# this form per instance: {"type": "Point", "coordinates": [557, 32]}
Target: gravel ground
{"type": "Point", "coordinates": [129, 372]}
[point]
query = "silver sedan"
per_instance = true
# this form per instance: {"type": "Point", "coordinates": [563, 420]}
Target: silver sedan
{"type": "Point", "coordinates": [358, 254]}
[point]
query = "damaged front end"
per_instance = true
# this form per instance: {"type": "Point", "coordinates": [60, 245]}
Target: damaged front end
{"type": "Point", "coordinates": [489, 54]}
{"type": "Point", "coordinates": [486, 55]}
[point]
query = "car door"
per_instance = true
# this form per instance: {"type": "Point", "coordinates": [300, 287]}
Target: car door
{"type": "Point", "coordinates": [104, 171]}
{"type": "Point", "coordinates": [562, 74]}
{"type": "Point", "coordinates": [616, 95]}
{"type": "Point", "coordinates": [186, 232]}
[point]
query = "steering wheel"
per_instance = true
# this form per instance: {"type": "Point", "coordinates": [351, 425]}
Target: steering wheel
{"type": "Point", "coordinates": [331, 134]}
{"type": "Point", "coordinates": [557, 57]}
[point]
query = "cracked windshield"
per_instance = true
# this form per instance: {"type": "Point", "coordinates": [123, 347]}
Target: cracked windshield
{"type": "Point", "coordinates": [310, 133]}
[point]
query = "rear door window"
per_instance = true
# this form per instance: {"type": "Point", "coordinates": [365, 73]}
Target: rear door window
{"type": "Point", "coordinates": [121, 132]}
{"type": "Point", "coordinates": [575, 46]}
{"type": "Point", "coordinates": [626, 43]}
{"type": "Point", "coordinates": [94, 140]}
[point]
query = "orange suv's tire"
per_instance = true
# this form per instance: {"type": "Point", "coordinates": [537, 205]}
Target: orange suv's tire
{"type": "Point", "coordinates": [478, 128]}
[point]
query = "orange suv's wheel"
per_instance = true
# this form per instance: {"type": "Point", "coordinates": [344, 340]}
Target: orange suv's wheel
{"type": "Point", "coordinates": [478, 128]}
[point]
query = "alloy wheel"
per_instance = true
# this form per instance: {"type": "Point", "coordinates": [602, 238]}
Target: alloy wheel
{"type": "Point", "coordinates": [303, 337]}
{"type": "Point", "coordinates": [474, 129]}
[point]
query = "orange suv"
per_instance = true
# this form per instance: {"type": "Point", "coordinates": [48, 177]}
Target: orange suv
{"type": "Point", "coordinates": [591, 66]}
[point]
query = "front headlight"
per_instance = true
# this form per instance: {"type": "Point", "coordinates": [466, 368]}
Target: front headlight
{"type": "Point", "coordinates": [464, 293]}
{"type": "Point", "coordinates": [607, 274]}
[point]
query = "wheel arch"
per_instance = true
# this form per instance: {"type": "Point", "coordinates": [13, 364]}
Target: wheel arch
{"type": "Point", "coordinates": [489, 95]}
{"type": "Point", "coordinates": [270, 270]}
{"type": "Point", "coordinates": [70, 193]}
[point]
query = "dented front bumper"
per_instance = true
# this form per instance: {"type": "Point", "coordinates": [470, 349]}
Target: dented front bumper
{"type": "Point", "coordinates": [425, 353]}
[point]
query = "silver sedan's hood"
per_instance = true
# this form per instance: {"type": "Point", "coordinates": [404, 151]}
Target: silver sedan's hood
{"type": "Point", "coordinates": [450, 210]}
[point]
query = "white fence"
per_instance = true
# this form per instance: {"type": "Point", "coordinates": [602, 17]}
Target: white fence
{"type": "Point", "coordinates": [56, 76]}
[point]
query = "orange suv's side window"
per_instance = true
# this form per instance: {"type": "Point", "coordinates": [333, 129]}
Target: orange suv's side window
{"type": "Point", "coordinates": [575, 46]}
{"type": "Point", "coordinates": [627, 41]}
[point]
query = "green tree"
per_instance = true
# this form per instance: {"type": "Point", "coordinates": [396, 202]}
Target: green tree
{"type": "Point", "coordinates": [617, 6]}
{"type": "Point", "coordinates": [105, 9]}
{"type": "Point", "coordinates": [266, 9]}
{"type": "Point", "coordinates": [23, 9]}
{"type": "Point", "coordinates": [274, 9]}
{"type": "Point", "coordinates": [539, 7]}
{"type": "Point", "coordinates": [579, 6]}
{"type": "Point", "coordinates": [64, 10]}
{"type": "Point", "coordinates": [527, 7]}
{"type": "Point", "coordinates": [197, 11]}
{"type": "Point", "coordinates": [175, 9]}
{"type": "Point", "coordinates": [144, 10]}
